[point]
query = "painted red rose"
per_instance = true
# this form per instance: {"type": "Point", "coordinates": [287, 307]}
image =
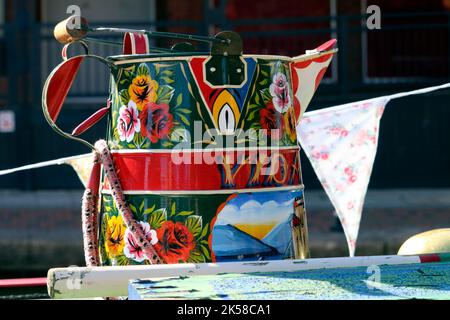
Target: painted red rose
{"type": "Point", "coordinates": [271, 120]}
{"type": "Point", "coordinates": [156, 121]}
{"type": "Point", "coordinates": [175, 242]}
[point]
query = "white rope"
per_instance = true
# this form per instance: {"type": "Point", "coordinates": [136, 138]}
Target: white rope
{"type": "Point", "coordinates": [44, 164]}
{"type": "Point", "coordinates": [388, 97]}
{"type": "Point", "coordinates": [419, 91]}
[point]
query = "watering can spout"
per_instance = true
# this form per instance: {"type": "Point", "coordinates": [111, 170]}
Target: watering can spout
{"type": "Point", "coordinates": [307, 72]}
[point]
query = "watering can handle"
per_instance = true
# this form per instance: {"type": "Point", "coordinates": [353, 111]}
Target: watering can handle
{"type": "Point", "coordinates": [55, 91]}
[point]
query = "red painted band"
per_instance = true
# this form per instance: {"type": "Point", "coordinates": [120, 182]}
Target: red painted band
{"type": "Point", "coordinates": [429, 258]}
{"type": "Point", "coordinates": [164, 172]}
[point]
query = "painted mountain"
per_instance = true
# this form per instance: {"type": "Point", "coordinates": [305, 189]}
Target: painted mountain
{"type": "Point", "coordinates": [280, 237]}
{"type": "Point", "coordinates": [228, 242]}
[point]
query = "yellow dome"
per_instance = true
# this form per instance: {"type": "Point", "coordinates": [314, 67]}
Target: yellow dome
{"type": "Point", "coordinates": [433, 241]}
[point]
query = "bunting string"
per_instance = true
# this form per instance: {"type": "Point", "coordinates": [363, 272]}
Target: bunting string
{"type": "Point", "coordinates": [340, 142]}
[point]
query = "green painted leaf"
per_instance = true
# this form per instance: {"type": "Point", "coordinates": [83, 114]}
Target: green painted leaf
{"type": "Point", "coordinates": [131, 68]}
{"type": "Point", "coordinates": [168, 72]}
{"type": "Point", "coordinates": [133, 208]}
{"type": "Point", "coordinates": [196, 256]}
{"type": "Point", "coordinates": [185, 213]}
{"type": "Point", "coordinates": [205, 251]}
{"type": "Point", "coordinates": [179, 99]}
{"type": "Point", "coordinates": [266, 95]}
{"type": "Point", "coordinates": [116, 135]}
{"type": "Point", "coordinates": [150, 210]}
{"type": "Point", "coordinates": [146, 145]}
{"type": "Point", "coordinates": [124, 96]}
{"type": "Point", "coordinates": [252, 115]}
{"type": "Point", "coordinates": [254, 106]}
{"type": "Point", "coordinates": [184, 119]}
{"type": "Point", "coordinates": [122, 260]}
{"type": "Point", "coordinates": [157, 218]}
{"type": "Point", "coordinates": [194, 224]}
{"type": "Point", "coordinates": [165, 94]}
{"type": "Point", "coordinates": [143, 70]}
{"type": "Point", "coordinates": [257, 99]}
{"type": "Point", "coordinates": [167, 79]}
{"type": "Point", "coordinates": [184, 110]}
{"type": "Point", "coordinates": [167, 144]}
{"type": "Point", "coordinates": [141, 207]}
{"type": "Point", "coordinates": [173, 208]}
{"type": "Point", "coordinates": [263, 82]}
{"type": "Point", "coordinates": [204, 232]}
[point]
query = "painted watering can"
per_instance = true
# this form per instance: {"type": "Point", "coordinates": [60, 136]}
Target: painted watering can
{"type": "Point", "coordinates": [201, 161]}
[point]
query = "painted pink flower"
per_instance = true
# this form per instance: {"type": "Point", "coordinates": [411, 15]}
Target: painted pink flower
{"type": "Point", "coordinates": [128, 122]}
{"type": "Point", "coordinates": [316, 154]}
{"type": "Point", "coordinates": [352, 178]}
{"type": "Point", "coordinates": [361, 138]}
{"type": "Point", "coordinates": [132, 249]}
{"type": "Point", "coordinates": [335, 131]}
{"type": "Point", "coordinates": [348, 171]}
{"type": "Point", "coordinates": [279, 90]}
{"type": "Point", "coordinates": [324, 155]}
{"type": "Point", "coordinates": [344, 133]}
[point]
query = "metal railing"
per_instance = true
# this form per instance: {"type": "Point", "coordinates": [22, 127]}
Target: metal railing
{"type": "Point", "coordinates": [399, 54]}
{"type": "Point", "coordinates": [405, 53]}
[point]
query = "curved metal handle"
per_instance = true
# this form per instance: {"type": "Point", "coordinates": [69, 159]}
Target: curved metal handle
{"type": "Point", "coordinates": [55, 91]}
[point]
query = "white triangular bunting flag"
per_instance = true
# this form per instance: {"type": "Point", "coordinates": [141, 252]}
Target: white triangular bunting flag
{"type": "Point", "coordinates": [82, 164]}
{"type": "Point", "coordinates": [341, 143]}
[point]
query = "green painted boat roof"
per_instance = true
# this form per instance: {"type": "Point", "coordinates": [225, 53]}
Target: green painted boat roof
{"type": "Point", "coordinates": [391, 282]}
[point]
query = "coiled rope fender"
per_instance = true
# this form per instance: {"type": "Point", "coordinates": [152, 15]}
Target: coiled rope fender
{"type": "Point", "coordinates": [89, 215]}
{"type": "Point", "coordinates": [90, 209]}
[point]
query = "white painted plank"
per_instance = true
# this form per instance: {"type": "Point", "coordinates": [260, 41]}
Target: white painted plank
{"type": "Point", "coordinates": [85, 282]}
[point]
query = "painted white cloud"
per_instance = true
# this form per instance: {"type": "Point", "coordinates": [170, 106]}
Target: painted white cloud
{"type": "Point", "coordinates": [253, 212]}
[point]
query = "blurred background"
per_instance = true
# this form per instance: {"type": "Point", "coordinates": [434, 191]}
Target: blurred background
{"type": "Point", "coordinates": [40, 223]}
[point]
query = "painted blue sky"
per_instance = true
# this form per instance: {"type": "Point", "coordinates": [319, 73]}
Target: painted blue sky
{"type": "Point", "coordinates": [258, 208]}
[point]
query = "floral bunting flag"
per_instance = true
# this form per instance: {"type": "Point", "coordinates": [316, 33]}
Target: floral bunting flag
{"type": "Point", "coordinates": [341, 143]}
{"type": "Point", "coordinates": [82, 166]}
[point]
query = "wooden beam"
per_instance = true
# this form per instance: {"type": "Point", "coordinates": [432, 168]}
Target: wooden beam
{"type": "Point", "coordinates": [84, 282]}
